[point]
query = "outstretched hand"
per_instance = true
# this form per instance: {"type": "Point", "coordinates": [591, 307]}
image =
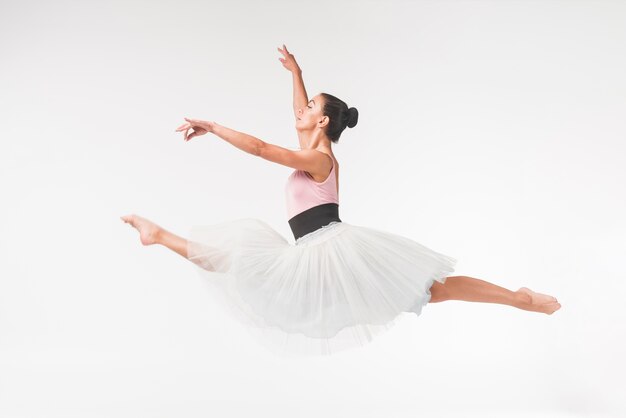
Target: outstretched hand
{"type": "Point", "coordinates": [200, 127]}
{"type": "Point", "coordinates": [289, 62]}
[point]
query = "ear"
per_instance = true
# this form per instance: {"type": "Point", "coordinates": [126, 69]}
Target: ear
{"type": "Point", "coordinates": [325, 120]}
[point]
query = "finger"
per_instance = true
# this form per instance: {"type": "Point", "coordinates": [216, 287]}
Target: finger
{"type": "Point", "coordinates": [285, 48]}
{"type": "Point", "coordinates": [191, 136]}
{"type": "Point", "coordinates": [181, 127]}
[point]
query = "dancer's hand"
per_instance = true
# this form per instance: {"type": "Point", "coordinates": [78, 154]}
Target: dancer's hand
{"type": "Point", "coordinates": [289, 62]}
{"type": "Point", "coordinates": [200, 127]}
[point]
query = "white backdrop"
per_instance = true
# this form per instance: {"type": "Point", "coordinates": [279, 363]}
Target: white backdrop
{"type": "Point", "coordinates": [491, 131]}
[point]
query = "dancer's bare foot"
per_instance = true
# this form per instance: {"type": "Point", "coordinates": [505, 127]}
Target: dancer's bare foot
{"type": "Point", "coordinates": [537, 298]}
{"type": "Point", "coordinates": [148, 230]}
{"type": "Point", "coordinates": [539, 302]}
{"type": "Point", "coordinates": [548, 308]}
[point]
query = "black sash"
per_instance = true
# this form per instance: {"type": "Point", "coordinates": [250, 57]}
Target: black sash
{"type": "Point", "coordinates": [313, 219]}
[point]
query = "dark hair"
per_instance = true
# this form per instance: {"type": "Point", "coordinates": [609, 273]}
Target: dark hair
{"type": "Point", "coordinates": [340, 116]}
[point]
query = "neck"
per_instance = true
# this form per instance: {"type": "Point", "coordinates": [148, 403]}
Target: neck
{"type": "Point", "coordinates": [313, 140]}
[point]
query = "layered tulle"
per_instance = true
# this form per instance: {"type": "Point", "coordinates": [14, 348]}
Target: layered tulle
{"type": "Point", "coordinates": [334, 289]}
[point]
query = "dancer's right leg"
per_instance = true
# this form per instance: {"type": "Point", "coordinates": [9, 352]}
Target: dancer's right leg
{"type": "Point", "coordinates": [475, 290]}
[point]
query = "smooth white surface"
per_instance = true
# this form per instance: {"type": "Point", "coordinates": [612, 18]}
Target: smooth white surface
{"type": "Point", "coordinates": [492, 131]}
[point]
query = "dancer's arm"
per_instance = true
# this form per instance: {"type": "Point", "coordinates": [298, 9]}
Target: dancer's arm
{"type": "Point", "coordinates": [300, 98]}
{"type": "Point", "coordinates": [248, 143]}
{"type": "Point", "coordinates": [244, 142]}
{"type": "Point", "coordinates": [309, 160]}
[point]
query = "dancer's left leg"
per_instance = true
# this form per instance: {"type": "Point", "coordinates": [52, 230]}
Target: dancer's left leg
{"type": "Point", "coordinates": [173, 242]}
{"type": "Point", "coordinates": [151, 233]}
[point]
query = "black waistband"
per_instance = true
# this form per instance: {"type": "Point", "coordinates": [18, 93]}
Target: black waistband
{"type": "Point", "coordinates": [313, 219]}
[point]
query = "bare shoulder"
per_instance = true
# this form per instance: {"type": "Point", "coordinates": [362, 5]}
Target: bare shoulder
{"type": "Point", "coordinates": [319, 177]}
{"type": "Point", "coordinates": [329, 153]}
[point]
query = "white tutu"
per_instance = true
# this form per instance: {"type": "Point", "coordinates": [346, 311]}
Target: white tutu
{"type": "Point", "coordinates": [335, 288]}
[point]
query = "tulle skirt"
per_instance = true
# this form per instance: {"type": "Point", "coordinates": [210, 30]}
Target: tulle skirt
{"type": "Point", "coordinates": [334, 289]}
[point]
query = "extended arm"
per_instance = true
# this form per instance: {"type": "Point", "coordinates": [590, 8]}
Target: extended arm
{"type": "Point", "coordinates": [309, 160]}
{"type": "Point", "coordinates": [248, 143]}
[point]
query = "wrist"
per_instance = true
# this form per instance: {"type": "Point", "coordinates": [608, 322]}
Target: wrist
{"type": "Point", "coordinates": [217, 128]}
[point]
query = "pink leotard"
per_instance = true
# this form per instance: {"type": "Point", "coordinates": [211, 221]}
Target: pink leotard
{"type": "Point", "coordinates": [303, 192]}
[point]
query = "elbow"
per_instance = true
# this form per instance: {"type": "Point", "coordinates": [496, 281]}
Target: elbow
{"type": "Point", "coordinates": [257, 148]}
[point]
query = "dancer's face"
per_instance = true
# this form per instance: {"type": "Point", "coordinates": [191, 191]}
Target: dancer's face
{"type": "Point", "coordinates": [311, 115]}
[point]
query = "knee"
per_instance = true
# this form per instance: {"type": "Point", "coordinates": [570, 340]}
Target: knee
{"type": "Point", "coordinates": [438, 292]}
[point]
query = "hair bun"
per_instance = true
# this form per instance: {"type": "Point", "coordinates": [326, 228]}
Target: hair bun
{"type": "Point", "coordinates": [353, 117]}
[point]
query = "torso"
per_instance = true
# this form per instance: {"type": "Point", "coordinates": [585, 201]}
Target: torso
{"type": "Point", "coordinates": [304, 191]}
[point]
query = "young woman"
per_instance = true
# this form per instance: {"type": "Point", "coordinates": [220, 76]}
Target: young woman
{"type": "Point", "coordinates": [339, 284]}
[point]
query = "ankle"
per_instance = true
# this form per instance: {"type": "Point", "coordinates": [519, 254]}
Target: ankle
{"type": "Point", "coordinates": [522, 299]}
{"type": "Point", "coordinates": [160, 235]}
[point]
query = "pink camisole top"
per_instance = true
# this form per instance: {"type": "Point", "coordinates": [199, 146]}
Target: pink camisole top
{"type": "Point", "coordinates": [302, 192]}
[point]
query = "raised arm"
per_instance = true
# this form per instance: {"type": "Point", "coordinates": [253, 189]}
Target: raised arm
{"type": "Point", "coordinates": [300, 98]}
